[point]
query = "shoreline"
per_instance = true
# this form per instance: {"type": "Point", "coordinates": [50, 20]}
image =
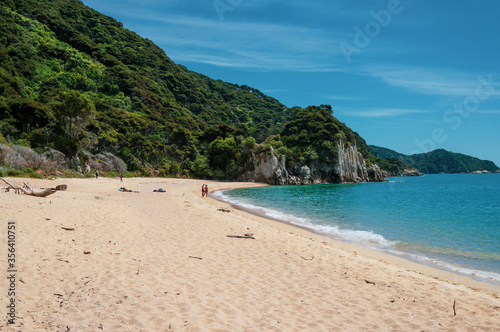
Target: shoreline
{"type": "Point", "coordinates": [399, 260]}
{"type": "Point", "coordinates": [93, 257]}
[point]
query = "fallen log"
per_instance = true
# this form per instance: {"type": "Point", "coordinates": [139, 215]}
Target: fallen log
{"type": "Point", "coordinates": [27, 190]}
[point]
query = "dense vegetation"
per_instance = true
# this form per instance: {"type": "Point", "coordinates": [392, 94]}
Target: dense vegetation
{"type": "Point", "coordinates": [77, 87]}
{"type": "Point", "coordinates": [438, 161]}
{"type": "Point", "coordinates": [77, 81]}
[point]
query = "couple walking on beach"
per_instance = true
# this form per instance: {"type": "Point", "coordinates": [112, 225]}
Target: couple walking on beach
{"type": "Point", "coordinates": [204, 190]}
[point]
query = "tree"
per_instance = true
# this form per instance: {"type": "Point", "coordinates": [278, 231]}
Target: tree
{"type": "Point", "coordinates": [222, 153]}
{"type": "Point", "coordinates": [200, 167]}
{"type": "Point", "coordinates": [73, 114]}
{"type": "Point", "coordinates": [249, 143]}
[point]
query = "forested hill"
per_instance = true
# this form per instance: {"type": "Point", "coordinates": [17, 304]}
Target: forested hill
{"type": "Point", "coordinates": [74, 82]}
{"type": "Point", "coordinates": [144, 103]}
{"type": "Point", "coordinates": [49, 47]}
{"type": "Point", "coordinates": [438, 161]}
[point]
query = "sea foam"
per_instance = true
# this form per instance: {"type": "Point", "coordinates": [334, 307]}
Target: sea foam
{"type": "Point", "coordinates": [365, 238]}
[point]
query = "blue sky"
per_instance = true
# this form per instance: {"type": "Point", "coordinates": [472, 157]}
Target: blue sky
{"type": "Point", "coordinates": [408, 75]}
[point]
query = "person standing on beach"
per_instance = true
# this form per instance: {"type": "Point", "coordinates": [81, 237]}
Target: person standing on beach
{"type": "Point", "coordinates": [202, 190]}
{"type": "Point", "coordinates": [206, 191]}
{"type": "Point", "coordinates": [96, 174]}
{"type": "Point", "coordinates": [121, 177]}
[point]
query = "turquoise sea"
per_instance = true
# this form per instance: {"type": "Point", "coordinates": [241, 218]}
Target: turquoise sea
{"type": "Point", "coordinates": [450, 221]}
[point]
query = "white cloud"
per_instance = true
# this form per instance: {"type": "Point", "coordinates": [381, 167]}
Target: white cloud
{"type": "Point", "coordinates": [429, 81]}
{"type": "Point", "coordinates": [198, 35]}
{"type": "Point", "coordinates": [249, 37]}
{"type": "Point", "coordinates": [338, 97]}
{"type": "Point", "coordinates": [384, 112]}
{"type": "Point", "coordinates": [263, 46]}
{"type": "Point", "coordinates": [334, 97]}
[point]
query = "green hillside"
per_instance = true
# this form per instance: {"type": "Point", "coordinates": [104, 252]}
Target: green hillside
{"type": "Point", "coordinates": [141, 105]}
{"type": "Point", "coordinates": [438, 161]}
{"type": "Point", "coordinates": [77, 85]}
{"type": "Point", "coordinates": [390, 154]}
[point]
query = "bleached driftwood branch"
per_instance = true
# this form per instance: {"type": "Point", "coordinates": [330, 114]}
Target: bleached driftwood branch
{"type": "Point", "coordinates": [27, 190]}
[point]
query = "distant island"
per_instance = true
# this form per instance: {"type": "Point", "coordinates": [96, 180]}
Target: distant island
{"type": "Point", "coordinates": [438, 161]}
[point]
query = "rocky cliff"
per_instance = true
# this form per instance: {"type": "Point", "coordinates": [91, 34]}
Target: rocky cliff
{"type": "Point", "coordinates": [349, 168]}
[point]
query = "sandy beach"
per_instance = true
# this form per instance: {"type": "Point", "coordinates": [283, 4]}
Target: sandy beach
{"type": "Point", "coordinates": [93, 258]}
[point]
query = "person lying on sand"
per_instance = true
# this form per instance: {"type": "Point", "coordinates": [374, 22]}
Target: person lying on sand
{"type": "Point", "coordinates": [127, 190]}
{"type": "Point", "coordinates": [159, 190]}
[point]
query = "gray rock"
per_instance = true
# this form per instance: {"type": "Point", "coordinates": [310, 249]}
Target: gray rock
{"type": "Point", "coordinates": [349, 168]}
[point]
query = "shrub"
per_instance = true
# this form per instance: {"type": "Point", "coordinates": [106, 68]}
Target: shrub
{"type": "Point", "coordinates": [12, 158]}
{"type": "Point", "coordinates": [31, 159]}
{"type": "Point", "coordinates": [14, 173]}
{"type": "Point", "coordinates": [147, 172]}
{"type": "Point", "coordinates": [175, 168]}
{"type": "Point", "coordinates": [262, 148]}
{"type": "Point", "coordinates": [185, 173]}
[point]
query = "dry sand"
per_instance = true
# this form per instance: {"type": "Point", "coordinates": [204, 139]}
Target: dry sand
{"type": "Point", "coordinates": [162, 262]}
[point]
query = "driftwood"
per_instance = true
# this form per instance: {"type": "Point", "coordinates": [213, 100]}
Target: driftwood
{"type": "Point", "coordinates": [61, 187]}
{"type": "Point", "coordinates": [27, 190]}
{"type": "Point", "coordinates": [246, 236]}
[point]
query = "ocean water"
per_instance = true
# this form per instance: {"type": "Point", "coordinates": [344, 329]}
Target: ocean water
{"type": "Point", "coordinates": [450, 221]}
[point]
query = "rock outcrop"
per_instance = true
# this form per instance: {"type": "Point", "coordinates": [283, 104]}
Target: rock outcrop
{"type": "Point", "coordinates": [405, 172]}
{"type": "Point", "coordinates": [265, 167]}
{"type": "Point", "coordinates": [349, 168]}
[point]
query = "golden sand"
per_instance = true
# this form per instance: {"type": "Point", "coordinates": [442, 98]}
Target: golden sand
{"type": "Point", "coordinates": [93, 258]}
